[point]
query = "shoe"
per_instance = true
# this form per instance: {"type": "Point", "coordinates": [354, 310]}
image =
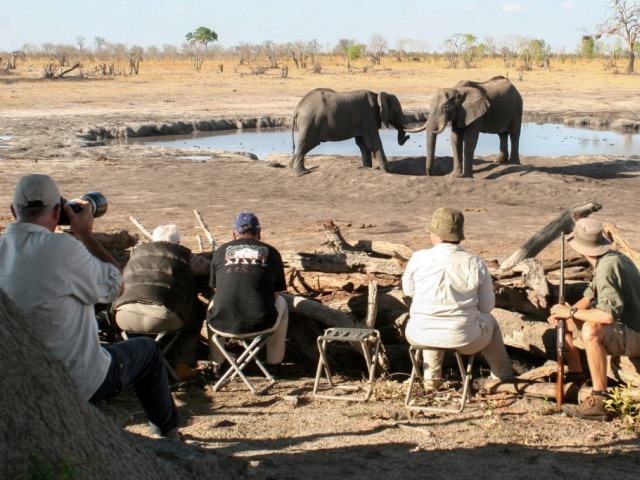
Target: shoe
{"type": "Point", "coordinates": [185, 372]}
{"type": "Point", "coordinates": [173, 434]}
{"type": "Point", "coordinates": [592, 408]}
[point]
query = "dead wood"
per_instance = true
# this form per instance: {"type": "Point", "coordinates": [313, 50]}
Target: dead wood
{"type": "Point", "coordinates": [572, 391]}
{"type": "Point", "coordinates": [309, 283]}
{"type": "Point", "coordinates": [113, 241]}
{"type": "Point", "coordinates": [341, 263]}
{"type": "Point", "coordinates": [521, 332]}
{"type": "Point", "coordinates": [141, 227]}
{"type": "Point", "coordinates": [625, 369]}
{"type": "Point", "coordinates": [619, 243]}
{"type": "Point", "coordinates": [550, 232]}
{"type": "Point", "coordinates": [394, 250]}
{"type": "Point", "coordinates": [205, 229]}
{"type": "Point", "coordinates": [314, 310]}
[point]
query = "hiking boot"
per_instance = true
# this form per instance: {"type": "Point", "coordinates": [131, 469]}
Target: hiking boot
{"type": "Point", "coordinates": [185, 372]}
{"type": "Point", "coordinates": [592, 408]}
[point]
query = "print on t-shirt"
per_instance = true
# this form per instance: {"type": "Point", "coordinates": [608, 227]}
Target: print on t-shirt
{"type": "Point", "coordinates": [239, 257]}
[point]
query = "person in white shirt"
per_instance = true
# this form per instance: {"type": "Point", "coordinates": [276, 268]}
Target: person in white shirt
{"type": "Point", "coordinates": [56, 280]}
{"type": "Point", "coordinates": [452, 301]}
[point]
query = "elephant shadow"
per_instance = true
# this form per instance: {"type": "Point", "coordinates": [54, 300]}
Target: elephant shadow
{"type": "Point", "coordinates": [602, 170]}
{"type": "Point", "coordinates": [417, 166]}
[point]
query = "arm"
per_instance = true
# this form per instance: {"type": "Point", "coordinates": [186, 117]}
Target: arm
{"type": "Point", "coordinates": [486, 293]}
{"type": "Point", "coordinates": [82, 225]}
{"type": "Point", "coordinates": [408, 284]}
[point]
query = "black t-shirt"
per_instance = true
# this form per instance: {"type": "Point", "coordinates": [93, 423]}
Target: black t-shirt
{"type": "Point", "coordinates": [245, 274]}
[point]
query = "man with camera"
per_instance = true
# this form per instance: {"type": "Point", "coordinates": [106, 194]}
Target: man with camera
{"type": "Point", "coordinates": [57, 279]}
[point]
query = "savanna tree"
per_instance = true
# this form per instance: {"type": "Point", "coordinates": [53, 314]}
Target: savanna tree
{"type": "Point", "coordinates": [623, 19]}
{"type": "Point", "coordinates": [199, 38]}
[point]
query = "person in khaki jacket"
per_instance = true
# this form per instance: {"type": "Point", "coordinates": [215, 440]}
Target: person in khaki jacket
{"type": "Point", "coordinates": [453, 298]}
{"type": "Point", "coordinates": [607, 318]}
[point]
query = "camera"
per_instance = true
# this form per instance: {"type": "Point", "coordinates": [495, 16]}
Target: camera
{"type": "Point", "coordinates": [96, 201]}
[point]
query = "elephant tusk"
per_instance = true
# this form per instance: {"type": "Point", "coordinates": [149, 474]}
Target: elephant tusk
{"type": "Point", "coordinates": [422, 128]}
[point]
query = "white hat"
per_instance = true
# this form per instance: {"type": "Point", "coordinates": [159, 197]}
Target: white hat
{"type": "Point", "coordinates": [36, 190]}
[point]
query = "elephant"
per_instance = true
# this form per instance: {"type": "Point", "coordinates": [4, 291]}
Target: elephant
{"type": "Point", "coordinates": [493, 106]}
{"type": "Point", "coordinates": [324, 115]}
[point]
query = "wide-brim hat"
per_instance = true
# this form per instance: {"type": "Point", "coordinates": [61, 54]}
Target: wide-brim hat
{"type": "Point", "coordinates": [588, 238]}
{"type": "Point", "coordinates": [448, 224]}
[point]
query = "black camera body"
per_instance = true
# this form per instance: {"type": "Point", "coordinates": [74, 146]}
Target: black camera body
{"type": "Point", "coordinates": [96, 201]}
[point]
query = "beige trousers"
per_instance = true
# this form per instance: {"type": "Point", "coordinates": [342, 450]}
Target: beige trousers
{"type": "Point", "coordinates": [489, 342]}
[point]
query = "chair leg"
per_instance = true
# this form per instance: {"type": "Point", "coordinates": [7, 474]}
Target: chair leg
{"type": "Point", "coordinates": [237, 365]}
{"type": "Point", "coordinates": [465, 372]}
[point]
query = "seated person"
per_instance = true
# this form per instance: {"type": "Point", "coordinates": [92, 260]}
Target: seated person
{"type": "Point", "coordinates": [56, 279]}
{"type": "Point", "coordinates": [247, 277]}
{"type": "Point", "coordinates": [453, 297]}
{"type": "Point", "coordinates": [161, 294]}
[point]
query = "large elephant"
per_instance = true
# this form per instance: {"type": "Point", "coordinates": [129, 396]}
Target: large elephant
{"type": "Point", "coordinates": [324, 115]}
{"type": "Point", "coordinates": [494, 106]}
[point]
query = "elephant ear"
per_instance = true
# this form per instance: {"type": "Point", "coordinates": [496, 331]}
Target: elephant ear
{"type": "Point", "coordinates": [383, 101]}
{"type": "Point", "coordinates": [474, 104]}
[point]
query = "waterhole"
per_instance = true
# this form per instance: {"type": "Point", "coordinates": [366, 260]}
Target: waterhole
{"type": "Point", "coordinates": [548, 140]}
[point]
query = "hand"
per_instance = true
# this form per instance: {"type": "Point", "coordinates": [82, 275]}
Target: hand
{"type": "Point", "coordinates": [559, 311]}
{"type": "Point", "coordinates": [82, 222]}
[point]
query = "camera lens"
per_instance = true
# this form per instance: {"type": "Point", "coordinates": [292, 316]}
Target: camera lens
{"type": "Point", "coordinates": [98, 203]}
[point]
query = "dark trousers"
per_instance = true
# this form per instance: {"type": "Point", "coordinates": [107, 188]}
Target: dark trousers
{"type": "Point", "coordinates": [138, 361]}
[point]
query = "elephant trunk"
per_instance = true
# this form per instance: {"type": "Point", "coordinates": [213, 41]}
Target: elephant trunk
{"type": "Point", "coordinates": [402, 136]}
{"type": "Point", "coordinates": [431, 150]}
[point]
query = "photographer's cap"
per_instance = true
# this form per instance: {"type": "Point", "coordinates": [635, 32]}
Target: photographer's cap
{"type": "Point", "coordinates": [245, 222]}
{"type": "Point", "coordinates": [36, 190]}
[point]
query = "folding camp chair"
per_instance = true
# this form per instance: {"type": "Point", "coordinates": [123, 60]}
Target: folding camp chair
{"type": "Point", "coordinates": [166, 340]}
{"type": "Point", "coordinates": [252, 343]}
{"type": "Point", "coordinates": [368, 341]}
{"type": "Point", "coordinates": [415, 352]}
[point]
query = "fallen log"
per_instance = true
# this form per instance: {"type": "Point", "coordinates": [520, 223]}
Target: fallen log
{"type": "Point", "coordinates": [619, 243]}
{"type": "Point", "coordinates": [308, 283]}
{"type": "Point", "coordinates": [341, 263]}
{"type": "Point", "coordinates": [625, 369]}
{"type": "Point", "coordinates": [314, 310]}
{"type": "Point", "coordinates": [394, 250]}
{"type": "Point", "coordinates": [550, 232]}
{"type": "Point", "coordinates": [572, 391]}
{"type": "Point", "coordinates": [519, 331]}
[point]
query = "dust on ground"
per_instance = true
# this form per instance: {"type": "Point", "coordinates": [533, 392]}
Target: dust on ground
{"type": "Point", "coordinates": [504, 206]}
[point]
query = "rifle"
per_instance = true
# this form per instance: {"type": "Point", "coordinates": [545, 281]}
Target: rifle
{"type": "Point", "coordinates": [560, 336]}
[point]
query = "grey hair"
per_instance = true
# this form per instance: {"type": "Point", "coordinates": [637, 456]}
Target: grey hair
{"type": "Point", "coordinates": [30, 214]}
{"type": "Point", "coordinates": [166, 233]}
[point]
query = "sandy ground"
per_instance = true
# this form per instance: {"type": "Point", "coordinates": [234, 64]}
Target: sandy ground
{"type": "Point", "coordinates": [504, 206]}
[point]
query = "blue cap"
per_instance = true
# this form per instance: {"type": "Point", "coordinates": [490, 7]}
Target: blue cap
{"type": "Point", "coordinates": [246, 222]}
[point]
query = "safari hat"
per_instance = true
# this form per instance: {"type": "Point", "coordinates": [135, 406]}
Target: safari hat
{"type": "Point", "coordinates": [448, 224]}
{"type": "Point", "coordinates": [36, 190]}
{"type": "Point", "coordinates": [246, 222]}
{"type": "Point", "coordinates": [588, 238]}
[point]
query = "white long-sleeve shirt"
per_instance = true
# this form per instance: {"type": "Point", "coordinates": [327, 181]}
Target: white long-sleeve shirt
{"type": "Point", "coordinates": [450, 287]}
{"type": "Point", "coordinates": [54, 279]}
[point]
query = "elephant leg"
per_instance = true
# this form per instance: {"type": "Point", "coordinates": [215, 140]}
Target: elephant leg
{"type": "Point", "coordinates": [470, 142]}
{"type": "Point", "coordinates": [382, 159]}
{"type": "Point", "coordinates": [366, 153]}
{"type": "Point", "coordinates": [503, 156]}
{"type": "Point", "coordinates": [514, 136]}
{"type": "Point", "coordinates": [297, 160]}
{"type": "Point", "coordinates": [456, 145]}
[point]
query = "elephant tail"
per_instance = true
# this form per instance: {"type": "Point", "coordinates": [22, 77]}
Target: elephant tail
{"type": "Point", "coordinates": [293, 127]}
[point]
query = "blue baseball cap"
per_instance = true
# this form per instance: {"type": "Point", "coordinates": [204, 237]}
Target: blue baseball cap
{"type": "Point", "coordinates": [246, 222]}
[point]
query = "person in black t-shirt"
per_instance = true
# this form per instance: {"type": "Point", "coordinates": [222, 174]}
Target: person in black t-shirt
{"type": "Point", "coordinates": [247, 277]}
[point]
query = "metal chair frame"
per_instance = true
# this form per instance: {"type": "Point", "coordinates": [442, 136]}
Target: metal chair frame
{"type": "Point", "coordinates": [368, 339]}
{"type": "Point", "coordinates": [252, 344]}
{"type": "Point", "coordinates": [415, 352]}
{"type": "Point", "coordinates": [158, 337]}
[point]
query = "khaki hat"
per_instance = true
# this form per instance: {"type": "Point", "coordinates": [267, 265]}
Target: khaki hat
{"type": "Point", "coordinates": [588, 238]}
{"type": "Point", "coordinates": [448, 224]}
{"type": "Point", "coordinates": [36, 190]}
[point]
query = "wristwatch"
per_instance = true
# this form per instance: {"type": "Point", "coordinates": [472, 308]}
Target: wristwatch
{"type": "Point", "coordinates": [572, 312]}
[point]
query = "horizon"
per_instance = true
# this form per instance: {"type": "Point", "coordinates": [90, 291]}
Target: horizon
{"type": "Point", "coordinates": [560, 24]}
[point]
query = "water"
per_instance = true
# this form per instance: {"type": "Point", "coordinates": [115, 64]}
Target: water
{"type": "Point", "coordinates": [548, 140]}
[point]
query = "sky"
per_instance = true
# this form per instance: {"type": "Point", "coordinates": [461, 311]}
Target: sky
{"type": "Point", "coordinates": [560, 23]}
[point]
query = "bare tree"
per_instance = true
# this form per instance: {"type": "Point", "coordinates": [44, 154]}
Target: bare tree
{"type": "Point", "coordinates": [377, 48]}
{"type": "Point", "coordinates": [624, 20]}
{"type": "Point", "coordinates": [81, 42]}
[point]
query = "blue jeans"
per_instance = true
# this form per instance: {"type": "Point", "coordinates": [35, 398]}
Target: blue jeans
{"type": "Point", "coordinates": [138, 361]}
